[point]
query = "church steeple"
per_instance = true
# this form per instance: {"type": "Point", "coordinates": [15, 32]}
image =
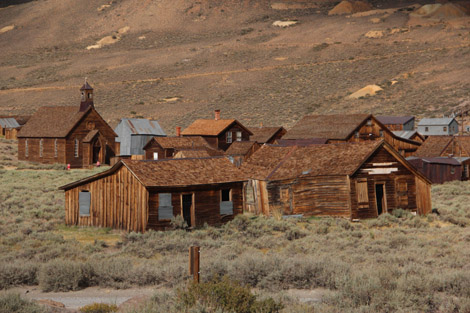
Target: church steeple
{"type": "Point", "coordinates": [86, 96]}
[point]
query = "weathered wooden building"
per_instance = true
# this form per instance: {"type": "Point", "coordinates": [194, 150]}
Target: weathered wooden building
{"type": "Point", "coordinates": [395, 123]}
{"type": "Point", "coordinates": [8, 123]}
{"type": "Point", "coordinates": [438, 126]}
{"type": "Point", "coordinates": [142, 195]}
{"type": "Point", "coordinates": [167, 147]}
{"type": "Point", "coordinates": [410, 135]}
{"type": "Point", "coordinates": [355, 181]}
{"type": "Point", "coordinates": [219, 133]}
{"type": "Point", "coordinates": [339, 128]}
{"type": "Point", "coordinates": [135, 133]}
{"type": "Point", "coordinates": [240, 151]}
{"type": "Point", "coordinates": [441, 169]}
{"type": "Point", "coordinates": [75, 135]}
{"type": "Point", "coordinates": [268, 135]}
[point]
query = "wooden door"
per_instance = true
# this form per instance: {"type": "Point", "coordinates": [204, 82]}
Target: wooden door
{"type": "Point", "coordinates": [187, 208]}
{"type": "Point", "coordinates": [362, 194]}
{"type": "Point", "coordinates": [286, 199]}
{"type": "Point", "coordinates": [402, 194]}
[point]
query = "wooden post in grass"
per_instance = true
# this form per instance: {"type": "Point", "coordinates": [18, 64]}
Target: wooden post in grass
{"type": "Point", "coordinates": [194, 253]}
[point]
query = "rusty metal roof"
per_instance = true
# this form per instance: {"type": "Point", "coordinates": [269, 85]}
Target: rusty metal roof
{"type": "Point", "coordinates": [140, 126]}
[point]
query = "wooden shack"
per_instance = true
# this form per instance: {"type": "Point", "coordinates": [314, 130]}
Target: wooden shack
{"type": "Point", "coordinates": [440, 169]}
{"type": "Point", "coordinates": [75, 135]}
{"type": "Point", "coordinates": [354, 181]}
{"type": "Point", "coordinates": [339, 128]}
{"type": "Point", "coordinates": [268, 135]}
{"type": "Point", "coordinates": [7, 123]}
{"type": "Point", "coordinates": [142, 195]}
{"type": "Point", "coordinates": [398, 123]}
{"type": "Point", "coordinates": [167, 147]}
{"type": "Point", "coordinates": [135, 133]}
{"type": "Point", "coordinates": [219, 133]}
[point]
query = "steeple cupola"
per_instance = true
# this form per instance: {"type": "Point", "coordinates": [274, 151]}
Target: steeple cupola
{"type": "Point", "coordinates": [86, 96]}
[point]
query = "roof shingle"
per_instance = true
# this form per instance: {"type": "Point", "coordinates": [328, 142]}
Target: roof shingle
{"type": "Point", "coordinates": [263, 134]}
{"type": "Point", "coordinates": [433, 146]}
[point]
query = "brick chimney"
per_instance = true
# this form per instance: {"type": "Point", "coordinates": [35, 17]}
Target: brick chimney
{"type": "Point", "coordinates": [217, 115]}
{"type": "Point", "coordinates": [178, 131]}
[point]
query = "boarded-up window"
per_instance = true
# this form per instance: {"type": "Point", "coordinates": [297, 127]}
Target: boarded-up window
{"type": "Point", "coordinates": [76, 148]}
{"type": "Point", "coordinates": [55, 149]}
{"type": "Point", "coordinates": [41, 147]}
{"type": "Point", "coordinates": [226, 204]}
{"type": "Point", "coordinates": [84, 200]}
{"type": "Point", "coordinates": [362, 193]}
{"type": "Point", "coordinates": [249, 193]}
{"type": "Point", "coordinates": [26, 148]}
{"type": "Point", "coordinates": [165, 209]}
{"type": "Point", "coordinates": [402, 194]}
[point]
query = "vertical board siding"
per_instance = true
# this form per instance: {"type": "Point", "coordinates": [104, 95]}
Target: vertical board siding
{"type": "Point", "coordinates": [108, 207]}
{"type": "Point", "coordinates": [48, 156]}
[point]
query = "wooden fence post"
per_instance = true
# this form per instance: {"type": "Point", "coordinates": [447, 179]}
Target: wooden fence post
{"type": "Point", "coordinates": [194, 253]}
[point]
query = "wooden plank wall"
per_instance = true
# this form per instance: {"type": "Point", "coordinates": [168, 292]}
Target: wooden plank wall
{"type": "Point", "coordinates": [118, 201]}
{"type": "Point", "coordinates": [222, 138]}
{"type": "Point", "coordinates": [391, 181]}
{"type": "Point", "coordinates": [48, 150]}
{"type": "Point", "coordinates": [206, 204]}
{"type": "Point", "coordinates": [423, 196]}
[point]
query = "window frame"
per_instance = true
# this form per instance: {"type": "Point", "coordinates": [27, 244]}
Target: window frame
{"type": "Point", "coordinates": [239, 136]}
{"type": "Point", "coordinates": [160, 207]}
{"type": "Point", "coordinates": [76, 148]}
{"type": "Point", "coordinates": [229, 137]}
{"type": "Point", "coordinates": [26, 148]}
{"type": "Point", "coordinates": [56, 148]}
{"type": "Point", "coordinates": [41, 147]}
{"type": "Point", "coordinates": [89, 204]}
{"type": "Point", "coordinates": [223, 203]}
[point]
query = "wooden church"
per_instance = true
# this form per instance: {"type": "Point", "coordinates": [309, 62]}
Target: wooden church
{"type": "Point", "coordinates": [75, 135]}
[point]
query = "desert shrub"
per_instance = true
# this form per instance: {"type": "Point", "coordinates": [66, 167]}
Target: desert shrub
{"type": "Point", "coordinates": [227, 296]}
{"type": "Point", "coordinates": [13, 303]}
{"type": "Point", "coordinates": [112, 272]}
{"type": "Point", "coordinates": [384, 220]}
{"type": "Point", "coordinates": [178, 222]}
{"type": "Point", "coordinates": [17, 273]}
{"type": "Point", "coordinates": [99, 308]}
{"type": "Point", "coordinates": [400, 213]}
{"type": "Point", "coordinates": [64, 275]}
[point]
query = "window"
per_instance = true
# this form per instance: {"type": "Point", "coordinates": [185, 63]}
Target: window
{"type": "Point", "coordinates": [165, 209]}
{"type": "Point", "coordinates": [226, 204]}
{"type": "Point", "coordinates": [381, 133]}
{"type": "Point", "coordinates": [229, 137]}
{"type": "Point", "coordinates": [452, 170]}
{"type": "Point", "coordinates": [76, 148]}
{"type": "Point", "coordinates": [83, 96]}
{"type": "Point", "coordinates": [84, 201]}
{"type": "Point", "coordinates": [444, 128]}
{"type": "Point", "coordinates": [239, 136]}
{"type": "Point", "coordinates": [26, 148]}
{"type": "Point", "coordinates": [56, 150]}
{"type": "Point", "coordinates": [41, 147]}
{"type": "Point", "coordinates": [356, 134]}
{"type": "Point", "coordinates": [402, 194]}
{"type": "Point", "coordinates": [155, 155]}
{"type": "Point", "coordinates": [369, 122]}
{"type": "Point", "coordinates": [90, 95]}
{"type": "Point", "coordinates": [426, 129]}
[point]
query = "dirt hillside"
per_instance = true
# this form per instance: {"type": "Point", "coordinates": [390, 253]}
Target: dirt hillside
{"type": "Point", "coordinates": [177, 60]}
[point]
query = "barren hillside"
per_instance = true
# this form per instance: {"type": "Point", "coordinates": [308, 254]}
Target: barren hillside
{"type": "Point", "coordinates": [176, 60]}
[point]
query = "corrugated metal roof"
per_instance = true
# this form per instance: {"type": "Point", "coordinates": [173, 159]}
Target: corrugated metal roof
{"type": "Point", "coordinates": [407, 134]}
{"type": "Point", "coordinates": [140, 126]}
{"type": "Point", "coordinates": [9, 122]}
{"type": "Point", "coordinates": [436, 121]}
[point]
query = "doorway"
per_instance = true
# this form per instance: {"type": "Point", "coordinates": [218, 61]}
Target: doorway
{"type": "Point", "coordinates": [96, 151]}
{"type": "Point", "coordinates": [380, 198]}
{"type": "Point", "coordinates": [187, 200]}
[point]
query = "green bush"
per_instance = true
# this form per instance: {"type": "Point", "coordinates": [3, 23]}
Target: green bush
{"type": "Point", "coordinates": [99, 308]}
{"type": "Point", "coordinates": [225, 295]}
{"type": "Point", "coordinates": [13, 303]}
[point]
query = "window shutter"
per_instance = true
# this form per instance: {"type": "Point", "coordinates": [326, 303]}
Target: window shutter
{"type": "Point", "coordinates": [402, 194]}
{"type": "Point", "coordinates": [84, 200]}
{"type": "Point", "coordinates": [165, 209]}
{"type": "Point", "coordinates": [362, 193]}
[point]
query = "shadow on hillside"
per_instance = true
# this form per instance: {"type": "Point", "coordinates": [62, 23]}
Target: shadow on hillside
{"type": "Point", "coordinates": [5, 3]}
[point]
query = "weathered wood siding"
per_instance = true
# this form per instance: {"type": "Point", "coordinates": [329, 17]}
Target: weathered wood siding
{"type": "Point", "coordinates": [118, 201]}
{"type": "Point", "coordinates": [222, 138]}
{"type": "Point", "coordinates": [383, 161]}
{"type": "Point", "coordinates": [206, 208]}
{"type": "Point", "coordinates": [153, 146]}
{"type": "Point", "coordinates": [80, 131]}
{"type": "Point", "coordinates": [423, 196]}
{"type": "Point", "coordinates": [48, 154]}
{"type": "Point", "coordinates": [11, 133]}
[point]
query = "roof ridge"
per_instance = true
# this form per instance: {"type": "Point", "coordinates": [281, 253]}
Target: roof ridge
{"type": "Point", "coordinates": [282, 161]}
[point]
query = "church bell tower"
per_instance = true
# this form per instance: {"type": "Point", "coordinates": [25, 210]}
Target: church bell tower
{"type": "Point", "coordinates": [86, 97]}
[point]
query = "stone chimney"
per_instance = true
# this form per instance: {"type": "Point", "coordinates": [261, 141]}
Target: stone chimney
{"type": "Point", "coordinates": [178, 131]}
{"type": "Point", "coordinates": [86, 97]}
{"type": "Point", "coordinates": [217, 115]}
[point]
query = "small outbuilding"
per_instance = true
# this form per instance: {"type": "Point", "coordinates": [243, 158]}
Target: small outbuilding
{"type": "Point", "coordinates": [135, 133]}
{"type": "Point", "coordinates": [8, 123]}
{"type": "Point", "coordinates": [439, 169]}
{"type": "Point", "coordinates": [438, 126]}
{"type": "Point", "coordinates": [167, 147]}
{"type": "Point", "coordinates": [354, 181]}
{"type": "Point", "coordinates": [142, 195]}
{"type": "Point", "coordinates": [396, 123]}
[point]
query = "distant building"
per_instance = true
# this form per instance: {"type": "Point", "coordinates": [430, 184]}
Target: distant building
{"type": "Point", "coordinates": [438, 126]}
{"type": "Point", "coordinates": [219, 133]}
{"type": "Point", "coordinates": [266, 134]}
{"type": "Point", "coordinates": [8, 123]}
{"type": "Point", "coordinates": [167, 147]}
{"type": "Point", "coordinates": [409, 134]}
{"type": "Point", "coordinates": [134, 134]}
{"type": "Point", "coordinates": [240, 151]}
{"type": "Point", "coordinates": [398, 122]}
{"type": "Point", "coordinates": [75, 135]}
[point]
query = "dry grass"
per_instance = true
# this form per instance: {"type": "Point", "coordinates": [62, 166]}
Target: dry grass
{"type": "Point", "coordinates": [397, 262]}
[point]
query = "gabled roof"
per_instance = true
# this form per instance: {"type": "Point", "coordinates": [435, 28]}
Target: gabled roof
{"type": "Point", "coordinates": [407, 134]}
{"type": "Point", "coordinates": [20, 119]}
{"type": "Point", "coordinates": [442, 121]}
{"type": "Point", "coordinates": [180, 143]}
{"type": "Point", "coordinates": [264, 134]}
{"type": "Point", "coordinates": [240, 147]}
{"type": "Point", "coordinates": [52, 121]}
{"type": "Point", "coordinates": [91, 134]}
{"type": "Point", "coordinates": [464, 142]}
{"type": "Point", "coordinates": [173, 172]}
{"type": "Point", "coordinates": [276, 162]}
{"type": "Point", "coordinates": [336, 126]}
{"type": "Point", "coordinates": [433, 146]}
{"type": "Point", "coordinates": [212, 127]}
{"type": "Point", "coordinates": [9, 122]}
{"type": "Point", "coordinates": [141, 126]}
{"type": "Point", "coordinates": [393, 120]}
